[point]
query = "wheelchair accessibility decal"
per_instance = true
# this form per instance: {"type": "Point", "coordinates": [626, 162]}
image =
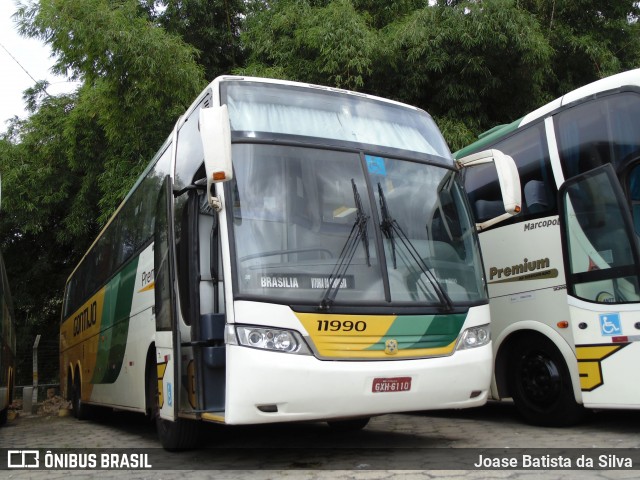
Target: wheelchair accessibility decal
{"type": "Point", "coordinates": [610, 324]}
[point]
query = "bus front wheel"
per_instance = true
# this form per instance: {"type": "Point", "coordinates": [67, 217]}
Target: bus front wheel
{"type": "Point", "coordinates": [350, 425]}
{"type": "Point", "coordinates": [540, 383]}
{"type": "Point", "coordinates": [180, 434]}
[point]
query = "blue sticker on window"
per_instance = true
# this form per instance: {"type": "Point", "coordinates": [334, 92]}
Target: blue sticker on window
{"type": "Point", "coordinates": [375, 165]}
{"type": "Point", "coordinates": [610, 324]}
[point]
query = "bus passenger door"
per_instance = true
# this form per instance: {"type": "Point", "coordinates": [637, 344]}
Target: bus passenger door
{"type": "Point", "coordinates": [167, 335]}
{"type": "Point", "coordinates": [199, 285]}
{"type": "Point", "coordinates": [603, 283]}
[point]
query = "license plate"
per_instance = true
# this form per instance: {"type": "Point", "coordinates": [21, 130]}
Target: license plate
{"type": "Point", "coordinates": [397, 384]}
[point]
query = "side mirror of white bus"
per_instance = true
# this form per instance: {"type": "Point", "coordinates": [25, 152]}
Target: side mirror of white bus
{"type": "Point", "coordinates": [215, 132]}
{"type": "Point", "coordinates": [508, 178]}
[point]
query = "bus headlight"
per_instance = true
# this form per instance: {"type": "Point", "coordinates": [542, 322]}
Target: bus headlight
{"type": "Point", "coordinates": [277, 340]}
{"type": "Point", "coordinates": [474, 337]}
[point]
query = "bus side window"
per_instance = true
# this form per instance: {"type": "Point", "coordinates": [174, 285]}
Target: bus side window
{"type": "Point", "coordinates": [634, 196]}
{"type": "Point", "coordinates": [535, 196]}
{"type": "Point", "coordinates": [528, 148]}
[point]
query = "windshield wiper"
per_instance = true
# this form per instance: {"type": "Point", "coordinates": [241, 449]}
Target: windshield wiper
{"type": "Point", "coordinates": [358, 231]}
{"type": "Point", "coordinates": [389, 226]}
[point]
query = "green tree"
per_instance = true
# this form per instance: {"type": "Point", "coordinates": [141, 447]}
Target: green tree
{"type": "Point", "coordinates": [45, 221]}
{"type": "Point", "coordinates": [462, 62]}
{"type": "Point", "coordinates": [211, 26]}
{"type": "Point", "coordinates": [590, 39]}
{"type": "Point", "coordinates": [319, 42]}
{"type": "Point", "coordinates": [457, 60]}
{"type": "Point", "coordinates": [136, 80]}
{"type": "Point", "coordinates": [67, 167]}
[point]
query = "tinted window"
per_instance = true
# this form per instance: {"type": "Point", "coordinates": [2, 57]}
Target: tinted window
{"type": "Point", "coordinates": [128, 231]}
{"type": "Point", "coordinates": [597, 132]}
{"type": "Point", "coordinates": [189, 154]}
{"type": "Point", "coordinates": [528, 148]}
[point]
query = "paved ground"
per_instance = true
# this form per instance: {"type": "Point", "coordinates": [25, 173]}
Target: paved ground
{"type": "Point", "coordinates": [401, 446]}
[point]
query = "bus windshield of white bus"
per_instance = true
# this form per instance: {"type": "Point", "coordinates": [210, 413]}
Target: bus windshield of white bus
{"type": "Point", "coordinates": [314, 224]}
{"type": "Point", "coordinates": [295, 210]}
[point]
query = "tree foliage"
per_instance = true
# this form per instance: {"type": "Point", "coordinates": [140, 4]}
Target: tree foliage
{"type": "Point", "coordinates": [67, 167]}
{"type": "Point", "coordinates": [211, 26]}
{"type": "Point", "coordinates": [459, 60]}
{"type": "Point", "coordinates": [319, 42]}
{"type": "Point", "coordinates": [590, 39]}
{"type": "Point", "coordinates": [136, 80]}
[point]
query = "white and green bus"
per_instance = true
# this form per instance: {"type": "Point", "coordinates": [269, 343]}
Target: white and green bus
{"type": "Point", "coordinates": [7, 346]}
{"type": "Point", "coordinates": [292, 252]}
{"type": "Point", "coordinates": [564, 275]}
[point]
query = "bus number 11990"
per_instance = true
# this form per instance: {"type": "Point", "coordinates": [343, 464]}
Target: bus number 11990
{"type": "Point", "coordinates": [341, 325]}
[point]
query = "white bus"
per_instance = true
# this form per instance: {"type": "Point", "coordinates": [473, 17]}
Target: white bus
{"type": "Point", "coordinates": [330, 271]}
{"type": "Point", "coordinates": [7, 346]}
{"type": "Point", "coordinates": [563, 276]}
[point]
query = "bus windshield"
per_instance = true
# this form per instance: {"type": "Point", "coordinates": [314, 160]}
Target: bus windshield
{"type": "Point", "coordinates": [298, 212]}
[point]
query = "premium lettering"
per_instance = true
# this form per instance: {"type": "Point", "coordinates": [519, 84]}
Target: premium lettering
{"type": "Point", "coordinates": [519, 269]}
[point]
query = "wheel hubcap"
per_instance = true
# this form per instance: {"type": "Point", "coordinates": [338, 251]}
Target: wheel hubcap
{"type": "Point", "coordinates": [540, 379]}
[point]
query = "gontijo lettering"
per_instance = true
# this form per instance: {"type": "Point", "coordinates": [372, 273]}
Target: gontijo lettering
{"type": "Point", "coordinates": [85, 319]}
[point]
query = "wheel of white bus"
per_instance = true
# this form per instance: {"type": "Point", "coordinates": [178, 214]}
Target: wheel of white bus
{"type": "Point", "coordinates": [350, 425]}
{"type": "Point", "coordinates": [181, 434]}
{"type": "Point", "coordinates": [540, 383]}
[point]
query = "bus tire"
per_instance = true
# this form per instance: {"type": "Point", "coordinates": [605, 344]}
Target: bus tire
{"type": "Point", "coordinates": [79, 408]}
{"type": "Point", "coordinates": [540, 383]}
{"type": "Point", "coordinates": [179, 435]}
{"type": "Point", "coordinates": [350, 425]}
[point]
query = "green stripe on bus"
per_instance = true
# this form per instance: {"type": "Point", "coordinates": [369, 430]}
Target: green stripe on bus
{"type": "Point", "coordinates": [114, 327]}
{"type": "Point", "coordinates": [422, 331]}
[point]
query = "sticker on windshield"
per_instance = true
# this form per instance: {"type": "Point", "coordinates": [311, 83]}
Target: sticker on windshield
{"type": "Point", "coordinates": [302, 280]}
{"type": "Point", "coordinates": [375, 165]}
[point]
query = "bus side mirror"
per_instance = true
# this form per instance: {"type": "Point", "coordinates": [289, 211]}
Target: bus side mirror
{"type": "Point", "coordinates": [508, 178]}
{"type": "Point", "coordinates": [215, 132]}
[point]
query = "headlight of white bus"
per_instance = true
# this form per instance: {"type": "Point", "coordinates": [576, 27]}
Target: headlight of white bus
{"type": "Point", "coordinates": [474, 337]}
{"type": "Point", "coordinates": [274, 339]}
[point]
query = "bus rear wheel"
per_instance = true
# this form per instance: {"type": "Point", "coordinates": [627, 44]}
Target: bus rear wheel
{"type": "Point", "coordinates": [540, 384]}
{"type": "Point", "coordinates": [79, 408]}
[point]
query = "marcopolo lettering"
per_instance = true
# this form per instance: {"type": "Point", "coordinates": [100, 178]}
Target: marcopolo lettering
{"type": "Point", "coordinates": [541, 224]}
{"type": "Point", "coordinates": [519, 269]}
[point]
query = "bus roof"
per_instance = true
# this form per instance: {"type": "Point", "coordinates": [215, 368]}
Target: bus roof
{"type": "Point", "coordinates": [629, 78]}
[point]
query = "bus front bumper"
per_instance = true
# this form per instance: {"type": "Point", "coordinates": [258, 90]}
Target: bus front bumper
{"type": "Point", "coordinates": [266, 387]}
